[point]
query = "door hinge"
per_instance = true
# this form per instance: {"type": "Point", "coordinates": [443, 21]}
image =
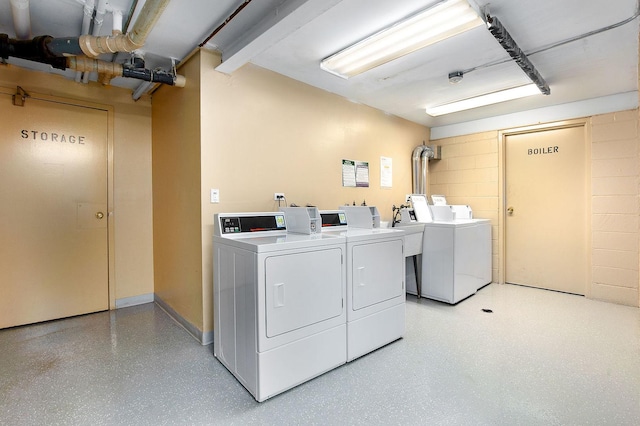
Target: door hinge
{"type": "Point", "coordinates": [20, 97]}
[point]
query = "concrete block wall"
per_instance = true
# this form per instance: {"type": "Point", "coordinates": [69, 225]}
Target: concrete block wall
{"type": "Point", "coordinates": [615, 170]}
{"type": "Point", "coordinates": [468, 174]}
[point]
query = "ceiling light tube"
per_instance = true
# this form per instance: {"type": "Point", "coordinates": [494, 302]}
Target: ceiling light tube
{"type": "Point", "coordinates": [483, 100]}
{"type": "Point", "coordinates": [445, 19]}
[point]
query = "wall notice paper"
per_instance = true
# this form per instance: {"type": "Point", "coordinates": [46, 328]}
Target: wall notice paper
{"type": "Point", "coordinates": [386, 172]}
{"type": "Point", "coordinates": [348, 173]}
{"type": "Point", "coordinates": [362, 174]}
{"type": "Point", "coordinates": [355, 173]}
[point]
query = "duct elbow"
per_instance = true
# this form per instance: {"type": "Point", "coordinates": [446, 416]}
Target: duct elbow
{"type": "Point", "coordinates": [179, 80]}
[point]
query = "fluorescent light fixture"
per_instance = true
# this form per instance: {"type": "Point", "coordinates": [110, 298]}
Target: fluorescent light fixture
{"type": "Point", "coordinates": [483, 100]}
{"type": "Point", "coordinates": [446, 19]}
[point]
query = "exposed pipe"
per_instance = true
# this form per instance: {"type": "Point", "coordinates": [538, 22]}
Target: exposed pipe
{"type": "Point", "coordinates": [98, 19]}
{"type": "Point", "coordinates": [420, 167]}
{"type": "Point", "coordinates": [134, 39]}
{"type": "Point", "coordinates": [117, 22]}
{"type": "Point", "coordinates": [108, 70]}
{"type": "Point", "coordinates": [88, 9]}
{"type": "Point", "coordinates": [415, 168]}
{"type": "Point", "coordinates": [21, 18]}
{"type": "Point", "coordinates": [33, 50]}
{"type": "Point", "coordinates": [63, 53]}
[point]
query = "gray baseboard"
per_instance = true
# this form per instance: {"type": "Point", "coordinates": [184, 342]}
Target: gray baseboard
{"type": "Point", "coordinates": [134, 300]}
{"type": "Point", "coordinates": [203, 338]}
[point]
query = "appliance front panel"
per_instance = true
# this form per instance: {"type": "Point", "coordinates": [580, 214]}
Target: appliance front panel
{"type": "Point", "coordinates": [302, 289]}
{"type": "Point", "coordinates": [377, 272]}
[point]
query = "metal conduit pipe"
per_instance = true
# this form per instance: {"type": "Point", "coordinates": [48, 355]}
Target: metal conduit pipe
{"type": "Point", "coordinates": [415, 168]}
{"type": "Point", "coordinates": [21, 18]}
{"type": "Point", "coordinates": [420, 168]}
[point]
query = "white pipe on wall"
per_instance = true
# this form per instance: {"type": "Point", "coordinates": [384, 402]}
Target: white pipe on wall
{"type": "Point", "coordinates": [101, 10]}
{"type": "Point", "coordinates": [21, 18]}
{"type": "Point", "coordinates": [89, 6]}
{"type": "Point", "coordinates": [117, 22]}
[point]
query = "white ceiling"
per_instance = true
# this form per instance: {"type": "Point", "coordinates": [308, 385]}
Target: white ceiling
{"type": "Point", "coordinates": [291, 37]}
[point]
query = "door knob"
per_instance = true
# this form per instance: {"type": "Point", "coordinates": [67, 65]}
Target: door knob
{"type": "Point", "coordinates": [510, 210]}
{"type": "Point", "coordinates": [99, 215]}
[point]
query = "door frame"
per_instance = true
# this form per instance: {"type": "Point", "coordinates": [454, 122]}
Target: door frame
{"type": "Point", "coordinates": [110, 181]}
{"type": "Point", "coordinates": [585, 123]}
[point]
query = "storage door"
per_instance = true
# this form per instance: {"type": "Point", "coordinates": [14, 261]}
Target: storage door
{"type": "Point", "coordinates": [53, 211]}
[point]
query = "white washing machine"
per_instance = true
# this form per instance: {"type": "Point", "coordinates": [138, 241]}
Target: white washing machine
{"type": "Point", "coordinates": [375, 278]}
{"type": "Point", "coordinates": [279, 302]}
{"type": "Point", "coordinates": [456, 253]}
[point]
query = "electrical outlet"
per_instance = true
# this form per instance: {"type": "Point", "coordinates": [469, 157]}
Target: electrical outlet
{"type": "Point", "coordinates": [407, 198]}
{"type": "Point", "coordinates": [278, 196]}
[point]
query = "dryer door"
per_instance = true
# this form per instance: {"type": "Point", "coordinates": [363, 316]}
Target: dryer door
{"type": "Point", "coordinates": [302, 289]}
{"type": "Point", "coordinates": [377, 272]}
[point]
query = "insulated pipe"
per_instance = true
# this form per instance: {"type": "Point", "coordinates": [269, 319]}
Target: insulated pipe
{"type": "Point", "coordinates": [134, 39]}
{"type": "Point", "coordinates": [21, 18]}
{"type": "Point", "coordinates": [33, 50]}
{"type": "Point", "coordinates": [63, 53]}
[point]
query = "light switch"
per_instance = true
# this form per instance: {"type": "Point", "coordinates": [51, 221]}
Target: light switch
{"type": "Point", "coordinates": [215, 195]}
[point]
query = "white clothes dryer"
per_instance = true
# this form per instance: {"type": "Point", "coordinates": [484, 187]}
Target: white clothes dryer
{"type": "Point", "coordinates": [279, 302]}
{"type": "Point", "coordinates": [375, 278]}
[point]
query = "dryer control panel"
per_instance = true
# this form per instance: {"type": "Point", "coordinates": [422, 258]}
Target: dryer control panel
{"type": "Point", "coordinates": [236, 223]}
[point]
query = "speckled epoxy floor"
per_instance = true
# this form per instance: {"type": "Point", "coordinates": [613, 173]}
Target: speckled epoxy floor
{"type": "Point", "coordinates": [541, 358]}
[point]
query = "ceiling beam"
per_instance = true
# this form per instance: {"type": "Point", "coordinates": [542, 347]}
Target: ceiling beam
{"type": "Point", "coordinates": [273, 27]}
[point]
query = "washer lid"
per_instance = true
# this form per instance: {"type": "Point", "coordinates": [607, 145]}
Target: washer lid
{"type": "Point", "coordinates": [421, 208]}
{"type": "Point", "coordinates": [361, 234]}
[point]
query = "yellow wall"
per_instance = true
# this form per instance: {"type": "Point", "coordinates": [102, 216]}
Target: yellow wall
{"type": "Point", "coordinates": [176, 196]}
{"type": "Point", "coordinates": [264, 133]}
{"type": "Point", "coordinates": [469, 173]}
{"type": "Point", "coordinates": [133, 251]}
